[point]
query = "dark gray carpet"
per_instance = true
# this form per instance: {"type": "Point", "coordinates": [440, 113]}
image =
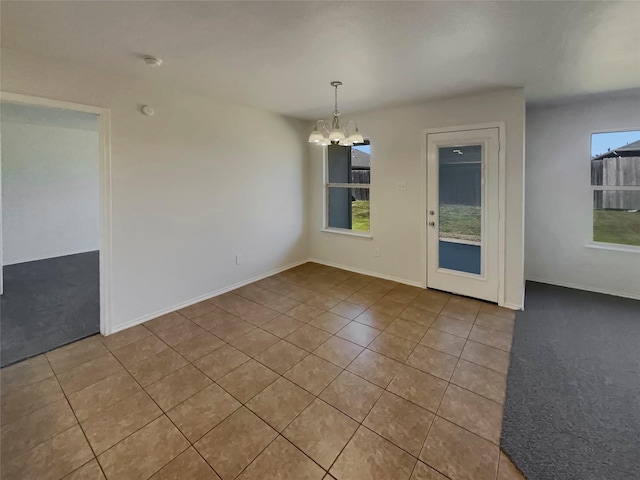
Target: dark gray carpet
{"type": "Point", "coordinates": [47, 304]}
{"type": "Point", "coordinates": [572, 409]}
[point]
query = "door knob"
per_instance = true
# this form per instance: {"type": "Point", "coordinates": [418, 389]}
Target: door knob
{"type": "Point", "coordinates": [432, 224]}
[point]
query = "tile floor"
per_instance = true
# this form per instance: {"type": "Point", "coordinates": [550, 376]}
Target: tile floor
{"type": "Point", "coordinates": [314, 373]}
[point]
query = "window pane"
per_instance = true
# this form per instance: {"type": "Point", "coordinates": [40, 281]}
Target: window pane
{"type": "Point", "coordinates": [349, 164]}
{"type": "Point", "coordinates": [339, 163]}
{"type": "Point", "coordinates": [348, 208]}
{"type": "Point", "coordinates": [460, 215]}
{"type": "Point", "coordinates": [361, 164]}
{"type": "Point", "coordinates": [616, 216]}
{"type": "Point", "coordinates": [615, 158]}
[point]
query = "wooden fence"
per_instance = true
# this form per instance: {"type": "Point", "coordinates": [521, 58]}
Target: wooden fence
{"type": "Point", "coordinates": [616, 200]}
{"type": "Point", "coordinates": [460, 184]}
{"type": "Point", "coordinates": [360, 176]}
{"type": "Point", "coordinates": [616, 172]}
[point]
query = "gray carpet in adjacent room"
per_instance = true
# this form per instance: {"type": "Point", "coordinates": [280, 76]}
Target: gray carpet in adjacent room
{"type": "Point", "coordinates": [47, 304]}
{"type": "Point", "coordinates": [572, 408]}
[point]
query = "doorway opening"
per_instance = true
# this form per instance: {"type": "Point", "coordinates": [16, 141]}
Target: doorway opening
{"type": "Point", "coordinates": [53, 229]}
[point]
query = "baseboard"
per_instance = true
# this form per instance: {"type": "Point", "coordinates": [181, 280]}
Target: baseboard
{"type": "Point", "coordinates": [201, 298]}
{"type": "Point", "coordinates": [367, 272]}
{"type": "Point", "coordinates": [582, 287]}
{"type": "Point", "coordinates": [512, 306]}
{"type": "Point", "coordinates": [49, 257]}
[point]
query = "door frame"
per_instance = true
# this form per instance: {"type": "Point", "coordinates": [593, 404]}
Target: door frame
{"type": "Point", "coordinates": [502, 201]}
{"type": "Point", "coordinates": [104, 134]}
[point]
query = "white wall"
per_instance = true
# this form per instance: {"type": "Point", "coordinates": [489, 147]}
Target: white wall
{"type": "Point", "coordinates": [192, 186]}
{"type": "Point", "coordinates": [559, 205]}
{"type": "Point", "coordinates": [397, 216]}
{"type": "Point", "coordinates": [50, 183]}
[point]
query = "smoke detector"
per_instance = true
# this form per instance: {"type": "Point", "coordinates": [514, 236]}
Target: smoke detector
{"type": "Point", "coordinates": [153, 61]}
{"type": "Point", "coordinates": [148, 110]}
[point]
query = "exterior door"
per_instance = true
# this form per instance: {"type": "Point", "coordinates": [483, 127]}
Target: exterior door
{"type": "Point", "coordinates": [463, 212]}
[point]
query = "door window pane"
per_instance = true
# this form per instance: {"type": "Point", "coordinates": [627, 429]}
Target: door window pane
{"type": "Point", "coordinates": [460, 208]}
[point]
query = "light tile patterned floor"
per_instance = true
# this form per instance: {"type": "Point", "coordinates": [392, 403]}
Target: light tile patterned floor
{"type": "Point", "coordinates": [313, 370]}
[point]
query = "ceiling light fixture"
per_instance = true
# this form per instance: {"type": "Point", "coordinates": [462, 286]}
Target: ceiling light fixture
{"type": "Point", "coordinates": [321, 134]}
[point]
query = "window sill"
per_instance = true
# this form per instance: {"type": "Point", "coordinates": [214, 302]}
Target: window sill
{"type": "Point", "coordinates": [614, 247]}
{"type": "Point", "coordinates": [351, 233]}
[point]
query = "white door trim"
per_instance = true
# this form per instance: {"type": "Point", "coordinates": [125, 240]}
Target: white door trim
{"type": "Point", "coordinates": [104, 130]}
{"type": "Point", "coordinates": [502, 198]}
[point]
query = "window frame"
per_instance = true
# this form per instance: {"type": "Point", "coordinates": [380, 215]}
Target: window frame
{"type": "Point", "coordinates": [325, 195]}
{"type": "Point", "coordinates": [619, 247]}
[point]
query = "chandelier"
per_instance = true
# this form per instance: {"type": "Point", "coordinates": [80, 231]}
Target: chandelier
{"type": "Point", "coordinates": [321, 134]}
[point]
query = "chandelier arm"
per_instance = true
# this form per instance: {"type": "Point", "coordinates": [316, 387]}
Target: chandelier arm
{"type": "Point", "coordinates": [321, 126]}
{"type": "Point", "coordinates": [346, 126]}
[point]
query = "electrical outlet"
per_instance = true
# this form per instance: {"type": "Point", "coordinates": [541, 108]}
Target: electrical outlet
{"type": "Point", "coordinates": [238, 259]}
{"type": "Point", "coordinates": [402, 185]}
{"type": "Point", "coordinates": [376, 252]}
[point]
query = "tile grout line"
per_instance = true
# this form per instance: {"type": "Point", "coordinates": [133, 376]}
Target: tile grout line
{"type": "Point", "coordinates": [435, 414]}
{"type": "Point", "coordinates": [84, 434]}
{"type": "Point", "coordinates": [244, 404]}
{"type": "Point", "coordinates": [404, 363]}
{"type": "Point", "coordinates": [343, 369]}
{"type": "Point", "coordinates": [279, 434]}
{"type": "Point", "coordinates": [502, 406]}
{"type": "Point", "coordinates": [335, 334]}
{"type": "Point", "coordinates": [65, 397]}
{"type": "Point", "coordinates": [192, 444]}
{"type": "Point", "coordinates": [163, 413]}
{"type": "Point", "coordinates": [385, 389]}
{"type": "Point", "coordinates": [361, 423]}
{"type": "Point", "coordinates": [460, 426]}
{"type": "Point", "coordinates": [443, 395]}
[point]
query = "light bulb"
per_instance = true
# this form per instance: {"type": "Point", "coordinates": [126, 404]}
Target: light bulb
{"type": "Point", "coordinates": [356, 137]}
{"type": "Point", "coordinates": [316, 136]}
{"type": "Point", "coordinates": [336, 135]}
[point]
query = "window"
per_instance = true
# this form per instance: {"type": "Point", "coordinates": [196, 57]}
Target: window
{"type": "Point", "coordinates": [348, 178]}
{"type": "Point", "coordinates": [615, 179]}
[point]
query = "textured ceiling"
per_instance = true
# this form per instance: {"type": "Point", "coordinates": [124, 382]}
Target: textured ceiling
{"type": "Point", "coordinates": [281, 56]}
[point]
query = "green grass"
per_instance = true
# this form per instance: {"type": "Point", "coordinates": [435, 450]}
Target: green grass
{"type": "Point", "coordinates": [616, 226]}
{"type": "Point", "coordinates": [460, 221]}
{"type": "Point", "coordinates": [360, 215]}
